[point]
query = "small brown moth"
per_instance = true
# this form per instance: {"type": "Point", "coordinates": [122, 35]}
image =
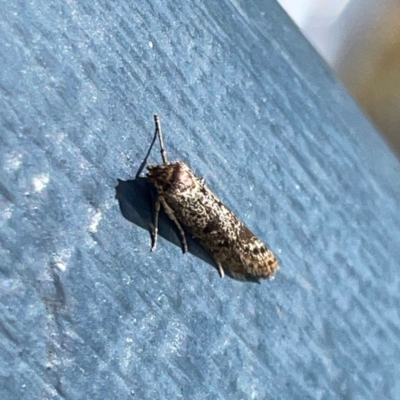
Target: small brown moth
{"type": "Point", "coordinates": [189, 202]}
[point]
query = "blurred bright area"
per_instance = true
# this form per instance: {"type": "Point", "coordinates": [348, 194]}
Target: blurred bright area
{"type": "Point", "coordinates": [360, 39]}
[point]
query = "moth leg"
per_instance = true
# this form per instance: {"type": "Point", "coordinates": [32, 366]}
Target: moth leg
{"type": "Point", "coordinates": [171, 215]}
{"type": "Point", "coordinates": [220, 269]}
{"type": "Point", "coordinates": [155, 230]}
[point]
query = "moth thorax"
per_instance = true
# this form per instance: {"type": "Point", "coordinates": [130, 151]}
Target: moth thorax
{"type": "Point", "coordinates": [183, 177]}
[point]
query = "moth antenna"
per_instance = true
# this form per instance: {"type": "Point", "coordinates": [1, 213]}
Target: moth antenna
{"type": "Point", "coordinates": [144, 162]}
{"type": "Point", "coordinates": [158, 131]}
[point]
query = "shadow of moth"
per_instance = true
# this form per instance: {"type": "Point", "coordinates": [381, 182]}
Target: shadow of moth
{"type": "Point", "coordinates": [189, 202]}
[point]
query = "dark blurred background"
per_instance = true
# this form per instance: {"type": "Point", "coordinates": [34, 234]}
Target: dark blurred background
{"type": "Point", "coordinates": [360, 39]}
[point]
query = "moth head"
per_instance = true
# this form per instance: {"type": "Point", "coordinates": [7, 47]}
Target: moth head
{"type": "Point", "coordinates": [175, 176]}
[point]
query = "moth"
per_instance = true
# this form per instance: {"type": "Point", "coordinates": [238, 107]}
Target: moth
{"type": "Point", "coordinates": [189, 203]}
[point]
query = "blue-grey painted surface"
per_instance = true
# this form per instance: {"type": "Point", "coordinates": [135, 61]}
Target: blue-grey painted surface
{"type": "Point", "coordinates": [87, 312]}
